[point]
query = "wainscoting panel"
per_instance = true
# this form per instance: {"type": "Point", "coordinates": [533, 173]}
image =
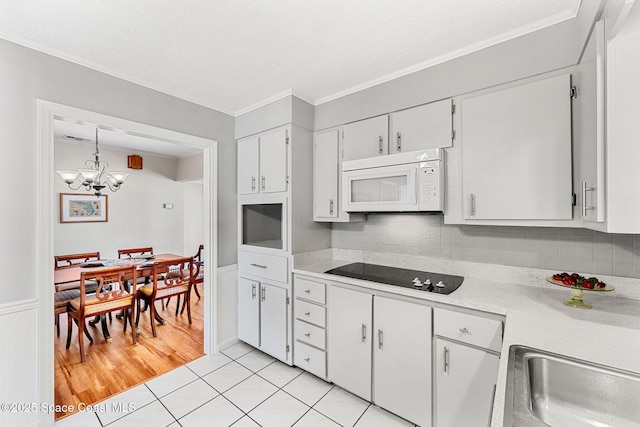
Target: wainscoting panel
{"type": "Point", "coordinates": [19, 364]}
{"type": "Point", "coordinates": [227, 306]}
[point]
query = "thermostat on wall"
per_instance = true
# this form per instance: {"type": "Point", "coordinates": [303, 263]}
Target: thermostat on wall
{"type": "Point", "coordinates": [167, 205]}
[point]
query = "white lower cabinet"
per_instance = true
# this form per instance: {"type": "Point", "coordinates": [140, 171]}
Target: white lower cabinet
{"type": "Point", "coordinates": [466, 367]}
{"type": "Point", "coordinates": [400, 357]}
{"type": "Point", "coordinates": [309, 325]}
{"type": "Point", "coordinates": [249, 311]}
{"type": "Point", "coordinates": [262, 317]}
{"type": "Point", "coordinates": [349, 323]}
{"type": "Point", "coordinates": [465, 378]}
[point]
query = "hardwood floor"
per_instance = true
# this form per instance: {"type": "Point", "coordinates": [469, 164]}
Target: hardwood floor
{"type": "Point", "coordinates": [117, 366]}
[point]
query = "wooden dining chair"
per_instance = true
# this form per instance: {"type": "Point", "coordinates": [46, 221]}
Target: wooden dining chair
{"type": "Point", "coordinates": [111, 295]}
{"type": "Point", "coordinates": [198, 264]}
{"type": "Point", "coordinates": [65, 292]}
{"type": "Point", "coordinates": [70, 261]}
{"type": "Point", "coordinates": [169, 278]}
{"type": "Point", "coordinates": [198, 260]}
{"type": "Point", "coordinates": [134, 253]}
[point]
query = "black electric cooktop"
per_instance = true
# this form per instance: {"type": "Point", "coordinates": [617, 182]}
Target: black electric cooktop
{"type": "Point", "coordinates": [412, 279]}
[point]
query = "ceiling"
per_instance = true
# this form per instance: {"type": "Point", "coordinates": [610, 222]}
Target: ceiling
{"type": "Point", "coordinates": [84, 134]}
{"type": "Point", "coordinates": [234, 55]}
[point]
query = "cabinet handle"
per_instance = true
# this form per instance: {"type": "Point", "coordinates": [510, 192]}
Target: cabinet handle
{"type": "Point", "coordinates": [464, 330]}
{"type": "Point", "coordinates": [472, 204]}
{"type": "Point", "coordinates": [364, 332]}
{"type": "Point", "coordinates": [253, 183]}
{"type": "Point", "coordinates": [399, 141]}
{"type": "Point", "coordinates": [380, 151]}
{"type": "Point", "coordinates": [263, 182]}
{"type": "Point", "coordinates": [446, 359]}
{"type": "Point", "coordinates": [253, 291]}
{"type": "Point", "coordinates": [493, 398]}
{"type": "Point", "coordinates": [330, 206]}
{"type": "Point", "coordinates": [264, 293]}
{"type": "Point", "coordinates": [308, 334]}
{"type": "Point", "coordinates": [308, 313]}
{"type": "Point", "coordinates": [586, 208]}
{"type": "Point", "coordinates": [307, 291]}
{"type": "Point", "coordinates": [307, 359]}
{"type": "Point", "coordinates": [379, 339]}
{"type": "Point", "coordinates": [258, 265]}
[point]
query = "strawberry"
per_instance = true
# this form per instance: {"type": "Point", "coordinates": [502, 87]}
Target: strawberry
{"type": "Point", "coordinates": [600, 285]}
{"type": "Point", "coordinates": [557, 277]}
{"type": "Point", "coordinates": [587, 285]}
{"type": "Point", "coordinates": [566, 282]}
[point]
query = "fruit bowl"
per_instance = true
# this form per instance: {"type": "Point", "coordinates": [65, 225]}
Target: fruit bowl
{"type": "Point", "coordinates": [578, 285]}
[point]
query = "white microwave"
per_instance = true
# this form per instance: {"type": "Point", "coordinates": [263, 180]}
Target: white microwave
{"type": "Point", "coordinates": [404, 182]}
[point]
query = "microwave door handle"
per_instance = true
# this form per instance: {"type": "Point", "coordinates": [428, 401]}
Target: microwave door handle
{"type": "Point", "coordinates": [413, 178]}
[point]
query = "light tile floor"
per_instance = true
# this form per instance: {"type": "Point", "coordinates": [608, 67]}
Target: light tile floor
{"type": "Point", "coordinates": [240, 387]}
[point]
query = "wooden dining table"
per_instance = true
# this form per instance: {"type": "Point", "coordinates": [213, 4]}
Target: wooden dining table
{"type": "Point", "coordinates": [144, 269]}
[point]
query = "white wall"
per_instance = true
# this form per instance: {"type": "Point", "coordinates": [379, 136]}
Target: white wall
{"type": "Point", "coordinates": [190, 168]}
{"type": "Point", "coordinates": [136, 214]}
{"type": "Point", "coordinates": [193, 220]}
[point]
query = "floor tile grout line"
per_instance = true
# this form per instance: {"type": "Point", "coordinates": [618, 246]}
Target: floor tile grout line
{"type": "Point", "coordinates": [195, 409]}
{"type": "Point", "coordinates": [159, 401]}
{"type": "Point", "coordinates": [363, 412]}
{"type": "Point", "coordinates": [129, 413]}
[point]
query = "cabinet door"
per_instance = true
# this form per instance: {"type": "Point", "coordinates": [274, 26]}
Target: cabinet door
{"type": "Point", "coordinates": [249, 311]}
{"type": "Point", "coordinates": [366, 138]}
{"type": "Point", "coordinates": [426, 126]}
{"type": "Point", "coordinates": [465, 379]}
{"type": "Point", "coordinates": [325, 174]}
{"type": "Point", "coordinates": [273, 321]}
{"type": "Point", "coordinates": [349, 340]}
{"type": "Point", "coordinates": [248, 164]}
{"type": "Point", "coordinates": [589, 132]}
{"type": "Point", "coordinates": [402, 359]}
{"type": "Point", "coordinates": [273, 161]}
{"type": "Point", "coordinates": [516, 152]}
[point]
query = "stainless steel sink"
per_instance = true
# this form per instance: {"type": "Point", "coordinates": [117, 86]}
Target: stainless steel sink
{"type": "Point", "coordinates": [545, 389]}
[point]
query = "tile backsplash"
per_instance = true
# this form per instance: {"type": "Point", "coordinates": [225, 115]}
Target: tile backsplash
{"type": "Point", "coordinates": [561, 249]}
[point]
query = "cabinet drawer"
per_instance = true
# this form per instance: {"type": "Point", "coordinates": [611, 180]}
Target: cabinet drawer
{"type": "Point", "coordinates": [309, 290]}
{"type": "Point", "coordinates": [468, 328]}
{"type": "Point", "coordinates": [263, 265]}
{"type": "Point", "coordinates": [309, 312]}
{"type": "Point", "coordinates": [309, 334]}
{"type": "Point", "coordinates": [310, 359]}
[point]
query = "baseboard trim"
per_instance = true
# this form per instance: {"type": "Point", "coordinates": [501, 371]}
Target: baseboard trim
{"type": "Point", "coordinates": [228, 343]}
{"type": "Point", "coordinates": [227, 268]}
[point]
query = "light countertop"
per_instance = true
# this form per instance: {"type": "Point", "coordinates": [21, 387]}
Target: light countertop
{"type": "Point", "coordinates": [536, 316]}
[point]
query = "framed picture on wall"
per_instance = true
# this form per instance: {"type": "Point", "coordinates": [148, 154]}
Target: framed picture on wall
{"type": "Point", "coordinates": [83, 208]}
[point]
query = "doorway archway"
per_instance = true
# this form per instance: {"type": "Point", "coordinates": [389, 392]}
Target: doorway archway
{"type": "Point", "coordinates": [47, 113]}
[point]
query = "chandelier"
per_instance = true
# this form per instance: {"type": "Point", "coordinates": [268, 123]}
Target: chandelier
{"type": "Point", "coordinates": [93, 176]}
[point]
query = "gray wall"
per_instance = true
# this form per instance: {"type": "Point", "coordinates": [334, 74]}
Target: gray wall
{"type": "Point", "coordinates": [27, 75]}
{"type": "Point", "coordinates": [560, 249]}
{"type": "Point", "coordinates": [548, 49]}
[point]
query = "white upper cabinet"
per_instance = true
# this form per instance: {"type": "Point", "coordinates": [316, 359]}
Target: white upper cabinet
{"type": "Point", "coordinates": [326, 179]}
{"type": "Point", "coordinates": [248, 165]}
{"type": "Point", "coordinates": [516, 152]}
{"type": "Point", "coordinates": [262, 162]}
{"type": "Point", "coordinates": [273, 161]}
{"type": "Point", "coordinates": [366, 138]}
{"type": "Point", "coordinates": [589, 128]}
{"type": "Point", "coordinates": [426, 126]}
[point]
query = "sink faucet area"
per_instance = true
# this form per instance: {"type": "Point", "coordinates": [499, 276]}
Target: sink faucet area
{"type": "Point", "coordinates": [546, 389]}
